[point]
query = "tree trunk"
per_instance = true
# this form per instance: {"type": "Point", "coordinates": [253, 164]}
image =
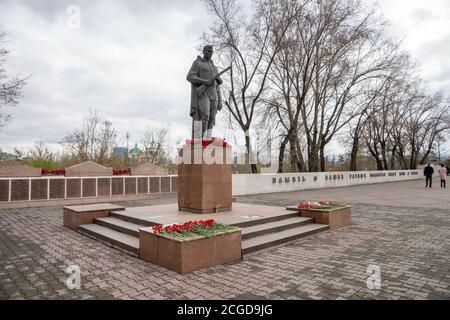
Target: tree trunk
{"type": "Point", "coordinates": [249, 155]}
{"type": "Point", "coordinates": [300, 160]}
{"type": "Point", "coordinates": [394, 151]}
{"type": "Point", "coordinates": [281, 153]}
{"type": "Point", "coordinates": [322, 159]}
{"type": "Point", "coordinates": [293, 156]}
{"type": "Point", "coordinates": [297, 164]}
{"type": "Point", "coordinates": [413, 161]}
{"type": "Point", "coordinates": [379, 164]}
{"type": "Point", "coordinates": [354, 154]}
{"type": "Point", "coordinates": [383, 155]}
{"type": "Point", "coordinates": [401, 158]}
{"type": "Point", "coordinates": [313, 160]}
{"type": "Point", "coordinates": [374, 152]}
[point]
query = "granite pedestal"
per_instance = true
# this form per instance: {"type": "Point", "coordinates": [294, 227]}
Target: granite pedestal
{"type": "Point", "coordinates": [204, 179]}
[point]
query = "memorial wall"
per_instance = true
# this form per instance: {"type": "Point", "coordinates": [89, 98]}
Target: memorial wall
{"type": "Point", "coordinates": [39, 190]}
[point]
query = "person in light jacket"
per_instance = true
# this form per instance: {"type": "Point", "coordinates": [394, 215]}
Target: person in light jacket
{"type": "Point", "coordinates": [443, 175]}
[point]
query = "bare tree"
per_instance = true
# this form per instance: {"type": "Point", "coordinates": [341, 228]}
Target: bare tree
{"type": "Point", "coordinates": [357, 54]}
{"type": "Point", "coordinates": [40, 156]}
{"type": "Point", "coordinates": [380, 96]}
{"type": "Point", "coordinates": [95, 140]}
{"type": "Point", "coordinates": [329, 56]}
{"type": "Point", "coordinates": [290, 80]}
{"type": "Point", "coordinates": [10, 87]}
{"type": "Point", "coordinates": [405, 124]}
{"type": "Point", "coordinates": [250, 45]}
{"type": "Point", "coordinates": [307, 71]}
{"type": "Point", "coordinates": [424, 122]}
{"type": "Point", "coordinates": [154, 141]}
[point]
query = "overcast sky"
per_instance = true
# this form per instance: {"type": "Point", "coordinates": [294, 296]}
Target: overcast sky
{"type": "Point", "coordinates": [129, 60]}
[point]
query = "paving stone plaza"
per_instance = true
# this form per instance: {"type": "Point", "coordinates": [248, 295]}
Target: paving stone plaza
{"type": "Point", "coordinates": [402, 228]}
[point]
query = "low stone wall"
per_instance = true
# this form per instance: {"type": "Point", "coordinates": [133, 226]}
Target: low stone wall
{"type": "Point", "coordinates": [41, 191]}
{"type": "Point", "coordinates": [245, 184]}
{"type": "Point", "coordinates": [26, 191]}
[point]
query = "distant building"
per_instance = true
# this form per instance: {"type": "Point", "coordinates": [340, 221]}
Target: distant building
{"type": "Point", "coordinates": [120, 152]}
{"type": "Point", "coordinates": [135, 152]}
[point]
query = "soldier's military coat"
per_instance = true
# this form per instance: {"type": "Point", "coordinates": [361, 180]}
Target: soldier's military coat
{"type": "Point", "coordinates": [203, 70]}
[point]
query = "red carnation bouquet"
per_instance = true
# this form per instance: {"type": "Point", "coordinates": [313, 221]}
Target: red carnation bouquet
{"type": "Point", "coordinates": [315, 205]}
{"type": "Point", "coordinates": [59, 172]}
{"type": "Point", "coordinates": [181, 228]}
{"type": "Point", "coordinates": [119, 172]}
{"type": "Point", "coordinates": [192, 229]}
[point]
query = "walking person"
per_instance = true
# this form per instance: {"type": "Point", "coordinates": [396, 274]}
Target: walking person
{"type": "Point", "coordinates": [443, 175]}
{"type": "Point", "coordinates": [428, 173]}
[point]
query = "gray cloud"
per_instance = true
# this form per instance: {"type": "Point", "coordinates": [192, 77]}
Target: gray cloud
{"type": "Point", "coordinates": [130, 59]}
{"type": "Point", "coordinates": [422, 15]}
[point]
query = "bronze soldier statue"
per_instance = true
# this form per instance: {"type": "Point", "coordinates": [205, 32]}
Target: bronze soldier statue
{"type": "Point", "coordinates": [205, 92]}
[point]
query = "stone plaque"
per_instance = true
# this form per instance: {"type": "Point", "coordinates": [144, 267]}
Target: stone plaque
{"type": "Point", "coordinates": [154, 185]}
{"type": "Point", "coordinates": [4, 190]}
{"type": "Point", "coordinates": [165, 184]}
{"type": "Point", "coordinates": [73, 188]}
{"type": "Point", "coordinates": [117, 186]}
{"type": "Point", "coordinates": [149, 169]}
{"type": "Point", "coordinates": [104, 187]}
{"type": "Point", "coordinates": [12, 168]}
{"type": "Point", "coordinates": [39, 189]}
{"type": "Point", "coordinates": [57, 188]}
{"type": "Point", "coordinates": [130, 185]}
{"type": "Point", "coordinates": [142, 185]}
{"type": "Point", "coordinates": [88, 169]}
{"type": "Point", "coordinates": [88, 187]}
{"type": "Point", "coordinates": [19, 190]}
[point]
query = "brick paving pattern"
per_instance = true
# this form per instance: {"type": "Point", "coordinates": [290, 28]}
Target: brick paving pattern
{"type": "Point", "coordinates": [411, 245]}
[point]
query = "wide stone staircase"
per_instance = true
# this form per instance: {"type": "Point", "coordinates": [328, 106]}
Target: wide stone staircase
{"type": "Point", "coordinates": [122, 231]}
{"type": "Point", "coordinates": [273, 231]}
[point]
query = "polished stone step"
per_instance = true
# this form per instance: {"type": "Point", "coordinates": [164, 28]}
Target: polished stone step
{"type": "Point", "coordinates": [120, 225]}
{"type": "Point", "coordinates": [293, 208]}
{"type": "Point", "coordinates": [259, 220]}
{"type": "Point", "coordinates": [277, 238]}
{"type": "Point", "coordinates": [276, 226]}
{"type": "Point", "coordinates": [111, 237]}
{"type": "Point", "coordinates": [122, 215]}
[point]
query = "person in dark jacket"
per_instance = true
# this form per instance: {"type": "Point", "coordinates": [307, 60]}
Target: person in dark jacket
{"type": "Point", "coordinates": [428, 173]}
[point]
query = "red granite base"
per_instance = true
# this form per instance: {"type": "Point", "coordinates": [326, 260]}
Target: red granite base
{"type": "Point", "coordinates": [189, 255]}
{"type": "Point", "coordinates": [74, 216]}
{"type": "Point", "coordinates": [336, 219]}
{"type": "Point", "coordinates": [204, 187]}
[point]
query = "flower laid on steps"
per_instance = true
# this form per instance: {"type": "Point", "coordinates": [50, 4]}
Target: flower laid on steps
{"type": "Point", "coordinates": [319, 205]}
{"type": "Point", "coordinates": [192, 229]}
